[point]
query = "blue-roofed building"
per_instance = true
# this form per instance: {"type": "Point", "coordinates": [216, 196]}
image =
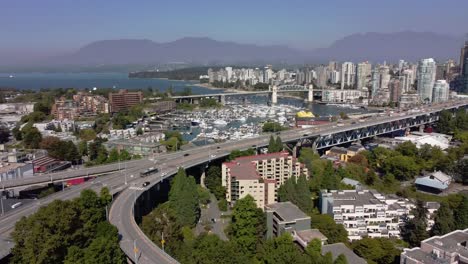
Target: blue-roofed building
{"type": "Point", "coordinates": [435, 182]}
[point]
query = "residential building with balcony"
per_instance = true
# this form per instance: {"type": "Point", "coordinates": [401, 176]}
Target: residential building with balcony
{"type": "Point", "coordinates": [259, 176]}
{"type": "Point", "coordinates": [366, 213]}
{"type": "Point", "coordinates": [450, 248]}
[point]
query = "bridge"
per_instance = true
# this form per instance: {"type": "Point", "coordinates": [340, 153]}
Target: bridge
{"type": "Point", "coordinates": [124, 208]}
{"type": "Point", "coordinates": [272, 91]}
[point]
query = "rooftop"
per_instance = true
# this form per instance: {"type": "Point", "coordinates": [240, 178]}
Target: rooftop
{"type": "Point", "coordinates": [311, 234]}
{"type": "Point", "coordinates": [6, 167]}
{"type": "Point", "coordinates": [340, 248]}
{"type": "Point", "coordinates": [287, 211]}
{"type": "Point", "coordinates": [243, 171]}
{"type": "Point", "coordinates": [356, 198]}
{"type": "Point", "coordinates": [453, 242]}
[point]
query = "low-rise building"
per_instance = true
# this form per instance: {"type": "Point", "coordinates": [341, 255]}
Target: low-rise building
{"type": "Point", "coordinates": [259, 176]}
{"type": "Point", "coordinates": [434, 182]}
{"type": "Point", "coordinates": [343, 154]}
{"type": "Point", "coordinates": [285, 217]}
{"type": "Point", "coordinates": [365, 212]}
{"type": "Point", "coordinates": [434, 139]}
{"type": "Point", "coordinates": [449, 248]}
{"type": "Point", "coordinates": [48, 164]}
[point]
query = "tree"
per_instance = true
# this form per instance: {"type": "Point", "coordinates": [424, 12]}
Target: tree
{"type": "Point", "coordinates": [376, 250]}
{"type": "Point", "coordinates": [213, 182]}
{"type": "Point", "coordinates": [210, 249]}
{"type": "Point", "coordinates": [241, 153]}
{"type": "Point", "coordinates": [407, 148]}
{"type": "Point", "coordinates": [403, 168]}
{"type": "Point", "coordinates": [203, 195]}
{"type": "Point", "coordinates": [298, 192]}
{"type": "Point", "coordinates": [83, 148]}
{"type": "Point", "coordinates": [279, 144]}
{"type": "Point", "coordinates": [282, 250]}
{"type": "Point", "coordinates": [443, 221]}
{"type": "Point", "coordinates": [247, 225]}
{"type": "Point", "coordinates": [446, 123]}
{"type": "Point", "coordinates": [45, 236]}
{"type": "Point", "coordinates": [68, 232]}
{"type": "Point", "coordinates": [334, 232]}
{"type": "Point", "coordinates": [183, 198]}
{"type": "Point", "coordinates": [17, 134]}
{"type": "Point", "coordinates": [223, 205]}
{"type": "Point", "coordinates": [31, 137]}
{"type": "Point", "coordinates": [360, 160]}
{"type": "Point", "coordinates": [105, 247]}
{"type": "Point", "coordinates": [414, 230]}
{"type": "Point", "coordinates": [113, 155]}
{"type": "Point", "coordinates": [161, 220]}
{"type": "Point", "coordinates": [460, 215]}
{"type": "Point", "coordinates": [87, 134]}
{"type": "Point", "coordinates": [271, 145]}
{"type": "Point", "coordinates": [272, 127]}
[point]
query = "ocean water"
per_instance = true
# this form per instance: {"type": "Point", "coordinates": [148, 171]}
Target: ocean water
{"type": "Point", "coordinates": [36, 81]}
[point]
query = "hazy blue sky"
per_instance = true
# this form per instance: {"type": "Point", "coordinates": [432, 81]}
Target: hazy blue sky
{"type": "Point", "coordinates": [62, 25]}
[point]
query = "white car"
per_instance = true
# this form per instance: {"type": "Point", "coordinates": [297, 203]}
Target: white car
{"type": "Point", "coordinates": [212, 156]}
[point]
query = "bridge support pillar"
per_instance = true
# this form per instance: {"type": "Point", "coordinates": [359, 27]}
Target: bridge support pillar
{"type": "Point", "coordinates": [310, 94]}
{"type": "Point", "coordinates": [421, 128]}
{"type": "Point", "coordinates": [202, 179]}
{"type": "Point", "coordinates": [222, 99]}
{"type": "Point", "coordinates": [274, 95]}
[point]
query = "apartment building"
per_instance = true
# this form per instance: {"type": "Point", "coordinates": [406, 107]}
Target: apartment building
{"type": "Point", "coordinates": [82, 104]}
{"type": "Point", "coordinates": [449, 248]}
{"type": "Point", "coordinates": [124, 99]}
{"type": "Point", "coordinates": [91, 104]}
{"type": "Point", "coordinates": [366, 212]}
{"type": "Point", "coordinates": [259, 176]}
{"type": "Point", "coordinates": [286, 217]}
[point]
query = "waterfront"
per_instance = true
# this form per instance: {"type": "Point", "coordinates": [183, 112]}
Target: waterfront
{"type": "Point", "coordinates": [36, 81]}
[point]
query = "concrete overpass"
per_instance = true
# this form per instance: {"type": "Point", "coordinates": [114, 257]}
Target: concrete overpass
{"type": "Point", "coordinates": [123, 208]}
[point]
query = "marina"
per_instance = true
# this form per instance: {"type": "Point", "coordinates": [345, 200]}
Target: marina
{"type": "Point", "coordinates": [236, 121]}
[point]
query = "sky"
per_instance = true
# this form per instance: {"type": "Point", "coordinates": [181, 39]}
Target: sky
{"type": "Point", "coordinates": [36, 27]}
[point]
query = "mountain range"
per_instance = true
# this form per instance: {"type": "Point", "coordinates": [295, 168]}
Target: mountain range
{"type": "Point", "coordinates": [375, 47]}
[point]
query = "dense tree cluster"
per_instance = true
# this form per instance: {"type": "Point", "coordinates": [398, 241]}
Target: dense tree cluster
{"type": "Point", "coordinates": [241, 153]}
{"type": "Point", "coordinates": [173, 140]}
{"type": "Point", "coordinates": [297, 191]}
{"type": "Point", "coordinates": [68, 232]}
{"type": "Point", "coordinates": [378, 250]}
{"type": "Point", "coordinates": [275, 144]}
{"type": "Point", "coordinates": [449, 123]}
{"type": "Point", "coordinates": [98, 154]}
{"type": "Point", "coordinates": [213, 182]}
{"type": "Point", "coordinates": [272, 127]}
{"type": "Point", "coordinates": [59, 149]}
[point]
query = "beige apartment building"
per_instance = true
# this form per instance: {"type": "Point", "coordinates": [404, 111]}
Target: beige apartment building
{"type": "Point", "coordinates": [259, 176]}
